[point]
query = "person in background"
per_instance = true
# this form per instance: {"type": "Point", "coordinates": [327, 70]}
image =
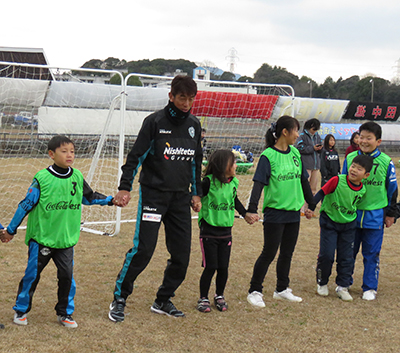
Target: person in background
{"type": "Point", "coordinates": [203, 140]}
{"type": "Point", "coordinates": [330, 163]}
{"type": "Point", "coordinates": [355, 137]}
{"type": "Point", "coordinates": [309, 145]}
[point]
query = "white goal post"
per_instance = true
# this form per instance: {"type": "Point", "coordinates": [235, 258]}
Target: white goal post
{"type": "Point", "coordinates": [103, 121]}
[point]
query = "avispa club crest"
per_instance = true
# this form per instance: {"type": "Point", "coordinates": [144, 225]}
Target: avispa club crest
{"type": "Point", "coordinates": [191, 131]}
{"type": "Point", "coordinates": [178, 153]}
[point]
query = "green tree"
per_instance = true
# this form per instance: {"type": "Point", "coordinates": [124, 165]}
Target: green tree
{"type": "Point", "coordinates": [113, 63]}
{"type": "Point", "coordinates": [392, 94]}
{"type": "Point", "coordinates": [345, 87]}
{"type": "Point", "coordinates": [276, 74]}
{"type": "Point", "coordinates": [363, 90]}
{"type": "Point", "coordinates": [228, 76]}
{"type": "Point", "coordinates": [132, 81]}
{"type": "Point", "coordinates": [245, 79]}
{"type": "Point", "coordinates": [326, 90]}
{"type": "Point", "coordinates": [304, 87]}
{"type": "Point", "coordinates": [161, 66]}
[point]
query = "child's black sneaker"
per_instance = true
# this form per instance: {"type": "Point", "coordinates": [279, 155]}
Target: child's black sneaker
{"type": "Point", "coordinates": [220, 303]}
{"type": "Point", "coordinates": [203, 305]}
{"type": "Point", "coordinates": [166, 308]}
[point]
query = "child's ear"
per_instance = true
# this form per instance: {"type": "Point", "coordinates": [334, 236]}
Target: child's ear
{"type": "Point", "coordinates": [51, 154]}
{"type": "Point", "coordinates": [366, 175]}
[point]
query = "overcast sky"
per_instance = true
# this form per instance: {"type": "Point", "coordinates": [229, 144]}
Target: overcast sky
{"type": "Point", "coordinates": [314, 38]}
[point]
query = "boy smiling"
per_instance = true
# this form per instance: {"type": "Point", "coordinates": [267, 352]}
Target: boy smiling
{"type": "Point", "coordinates": [377, 209]}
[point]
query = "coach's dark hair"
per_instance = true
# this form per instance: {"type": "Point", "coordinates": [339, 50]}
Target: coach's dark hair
{"type": "Point", "coordinates": [372, 126]}
{"type": "Point", "coordinates": [274, 132]}
{"type": "Point", "coordinates": [218, 163]}
{"type": "Point", "coordinates": [183, 84]}
{"type": "Point", "coordinates": [326, 142]}
{"type": "Point", "coordinates": [364, 161]}
{"type": "Point", "coordinates": [58, 141]}
{"type": "Point", "coordinates": [312, 124]}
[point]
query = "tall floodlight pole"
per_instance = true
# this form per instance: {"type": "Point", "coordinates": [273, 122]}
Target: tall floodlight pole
{"type": "Point", "coordinates": [372, 89]}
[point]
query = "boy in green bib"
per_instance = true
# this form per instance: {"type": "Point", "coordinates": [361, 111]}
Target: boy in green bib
{"type": "Point", "coordinates": [341, 196]}
{"type": "Point", "coordinates": [53, 202]}
{"type": "Point", "coordinates": [378, 209]}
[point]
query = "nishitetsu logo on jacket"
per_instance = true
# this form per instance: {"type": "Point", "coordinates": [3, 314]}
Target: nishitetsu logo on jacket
{"type": "Point", "coordinates": [178, 153]}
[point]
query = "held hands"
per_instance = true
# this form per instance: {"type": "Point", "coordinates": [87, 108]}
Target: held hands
{"type": "Point", "coordinates": [196, 203]}
{"type": "Point", "coordinates": [5, 237]}
{"type": "Point", "coordinates": [251, 218]}
{"type": "Point", "coordinates": [122, 198]}
{"type": "Point", "coordinates": [309, 214]}
{"type": "Point", "coordinates": [389, 221]}
{"type": "Point", "coordinates": [318, 147]}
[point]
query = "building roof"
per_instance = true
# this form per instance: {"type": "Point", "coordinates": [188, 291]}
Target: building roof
{"type": "Point", "coordinates": [25, 56]}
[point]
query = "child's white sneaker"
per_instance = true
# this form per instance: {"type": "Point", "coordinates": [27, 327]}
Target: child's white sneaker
{"type": "Point", "coordinates": [287, 295]}
{"type": "Point", "coordinates": [323, 290]}
{"type": "Point", "coordinates": [343, 293]}
{"type": "Point", "coordinates": [20, 319]}
{"type": "Point", "coordinates": [67, 321]}
{"type": "Point", "coordinates": [255, 298]}
{"type": "Point", "coordinates": [369, 295]}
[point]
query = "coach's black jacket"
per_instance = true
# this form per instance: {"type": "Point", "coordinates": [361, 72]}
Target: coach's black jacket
{"type": "Point", "coordinates": [168, 148]}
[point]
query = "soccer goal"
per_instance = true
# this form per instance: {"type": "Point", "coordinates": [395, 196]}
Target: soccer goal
{"type": "Point", "coordinates": [103, 121]}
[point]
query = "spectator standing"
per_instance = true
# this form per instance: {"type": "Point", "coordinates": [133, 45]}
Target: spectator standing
{"type": "Point", "coordinates": [330, 163]}
{"type": "Point", "coordinates": [309, 145]}
{"type": "Point", "coordinates": [354, 140]}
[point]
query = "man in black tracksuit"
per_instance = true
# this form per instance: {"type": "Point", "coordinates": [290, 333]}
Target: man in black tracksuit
{"type": "Point", "coordinates": [168, 148]}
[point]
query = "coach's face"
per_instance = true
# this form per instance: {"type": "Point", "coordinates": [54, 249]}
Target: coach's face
{"type": "Point", "coordinates": [182, 101]}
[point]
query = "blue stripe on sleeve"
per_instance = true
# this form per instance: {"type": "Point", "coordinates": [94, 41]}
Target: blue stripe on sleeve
{"type": "Point", "coordinates": [25, 206]}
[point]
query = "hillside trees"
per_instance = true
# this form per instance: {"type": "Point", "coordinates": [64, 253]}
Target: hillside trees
{"type": "Point", "coordinates": [352, 88]}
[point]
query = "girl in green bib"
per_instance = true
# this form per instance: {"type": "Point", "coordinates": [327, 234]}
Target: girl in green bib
{"type": "Point", "coordinates": [282, 177]}
{"type": "Point", "coordinates": [216, 217]}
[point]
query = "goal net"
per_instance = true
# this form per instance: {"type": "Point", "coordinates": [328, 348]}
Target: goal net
{"type": "Point", "coordinates": [103, 121]}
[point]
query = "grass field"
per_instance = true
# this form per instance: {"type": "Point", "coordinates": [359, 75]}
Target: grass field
{"type": "Point", "coordinates": [316, 325]}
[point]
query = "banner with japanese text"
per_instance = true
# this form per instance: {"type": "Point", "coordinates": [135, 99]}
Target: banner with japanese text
{"type": "Point", "coordinates": [372, 111]}
{"type": "Point", "coordinates": [325, 110]}
{"type": "Point", "coordinates": [390, 132]}
{"type": "Point", "coordinates": [339, 131]}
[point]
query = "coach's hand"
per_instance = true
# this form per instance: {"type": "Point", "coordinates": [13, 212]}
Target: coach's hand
{"type": "Point", "coordinates": [122, 198]}
{"type": "Point", "coordinates": [389, 221]}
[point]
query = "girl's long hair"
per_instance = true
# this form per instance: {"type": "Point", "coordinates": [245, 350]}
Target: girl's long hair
{"type": "Point", "coordinates": [218, 163]}
{"type": "Point", "coordinates": [275, 131]}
